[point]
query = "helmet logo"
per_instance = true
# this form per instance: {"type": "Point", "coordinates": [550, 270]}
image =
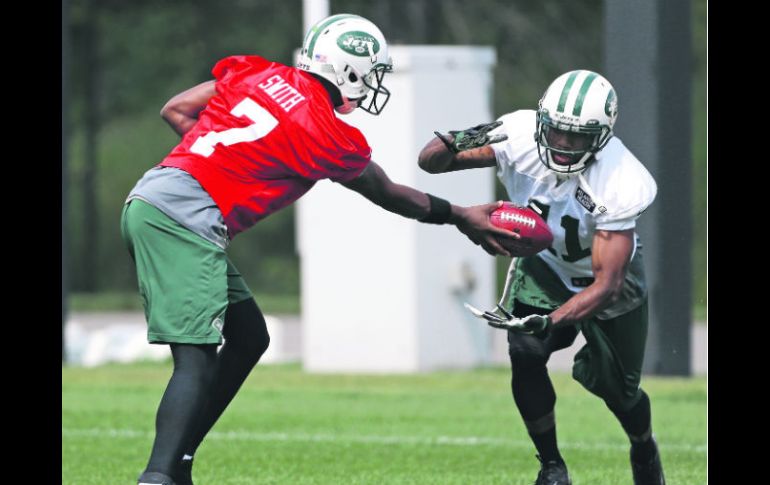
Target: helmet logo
{"type": "Point", "coordinates": [611, 105]}
{"type": "Point", "coordinates": [358, 43]}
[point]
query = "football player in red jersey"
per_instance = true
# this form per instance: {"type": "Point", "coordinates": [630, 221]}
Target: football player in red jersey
{"type": "Point", "coordinates": [254, 140]}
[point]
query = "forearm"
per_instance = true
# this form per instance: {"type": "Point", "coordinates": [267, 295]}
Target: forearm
{"type": "Point", "coordinates": [408, 202]}
{"type": "Point", "coordinates": [402, 200]}
{"type": "Point", "coordinates": [585, 304]}
{"type": "Point", "coordinates": [181, 112]}
{"type": "Point", "coordinates": [405, 201]}
{"type": "Point", "coordinates": [435, 157]}
{"type": "Point", "coordinates": [374, 184]}
{"type": "Point", "coordinates": [179, 122]}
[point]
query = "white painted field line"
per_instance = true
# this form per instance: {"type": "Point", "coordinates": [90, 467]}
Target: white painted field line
{"type": "Point", "coordinates": [375, 439]}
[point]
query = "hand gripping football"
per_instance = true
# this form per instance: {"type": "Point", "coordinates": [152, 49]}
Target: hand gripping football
{"type": "Point", "coordinates": [534, 232]}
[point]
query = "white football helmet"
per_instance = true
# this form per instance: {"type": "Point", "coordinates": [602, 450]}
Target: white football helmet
{"type": "Point", "coordinates": [351, 53]}
{"type": "Point", "coordinates": [580, 102]}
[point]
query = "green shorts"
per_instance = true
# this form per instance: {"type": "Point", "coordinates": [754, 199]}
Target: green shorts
{"type": "Point", "coordinates": [185, 281]}
{"type": "Point", "coordinates": [610, 363]}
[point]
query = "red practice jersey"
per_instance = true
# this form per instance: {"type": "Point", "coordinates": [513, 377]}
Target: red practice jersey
{"type": "Point", "coordinates": [264, 139]}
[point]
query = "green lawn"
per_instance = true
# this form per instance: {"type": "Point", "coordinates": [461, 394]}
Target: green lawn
{"type": "Point", "coordinates": [288, 427]}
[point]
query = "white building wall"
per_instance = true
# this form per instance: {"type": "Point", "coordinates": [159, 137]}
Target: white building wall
{"type": "Point", "coordinates": [381, 293]}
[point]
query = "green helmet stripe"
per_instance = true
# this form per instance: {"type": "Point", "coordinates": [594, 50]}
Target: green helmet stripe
{"type": "Point", "coordinates": [565, 92]}
{"type": "Point", "coordinates": [582, 94]}
{"type": "Point", "coordinates": [320, 28]}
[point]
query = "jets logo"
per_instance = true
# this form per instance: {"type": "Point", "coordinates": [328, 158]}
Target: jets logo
{"type": "Point", "coordinates": [611, 105]}
{"type": "Point", "coordinates": [358, 43]}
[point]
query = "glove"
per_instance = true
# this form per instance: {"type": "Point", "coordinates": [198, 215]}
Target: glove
{"type": "Point", "coordinates": [530, 325]}
{"type": "Point", "coordinates": [472, 137]}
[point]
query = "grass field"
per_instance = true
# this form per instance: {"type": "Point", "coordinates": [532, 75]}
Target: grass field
{"type": "Point", "coordinates": [288, 427]}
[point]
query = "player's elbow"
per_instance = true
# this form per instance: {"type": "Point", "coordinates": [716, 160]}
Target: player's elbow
{"type": "Point", "coordinates": [614, 296]}
{"type": "Point", "coordinates": [607, 289]}
{"type": "Point", "coordinates": [176, 119]}
{"type": "Point", "coordinates": [422, 162]}
{"type": "Point", "coordinates": [175, 106]}
{"type": "Point", "coordinates": [174, 109]}
{"type": "Point", "coordinates": [166, 112]}
{"type": "Point", "coordinates": [425, 160]}
{"type": "Point", "coordinates": [613, 290]}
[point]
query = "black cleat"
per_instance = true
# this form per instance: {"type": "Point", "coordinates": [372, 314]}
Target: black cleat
{"type": "Point", "coordinates": [649, 472]}
{"type": "Point", "coordinates": [552, 472]}
{"type": "Point", "coordinates": [183, 473]}
{"type": "Point", "coordinates": [155, 478]}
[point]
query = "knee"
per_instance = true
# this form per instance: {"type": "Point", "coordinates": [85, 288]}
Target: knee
{"type": "Point", "coordinates": [250, 346]}
{"type": "Point", "coordinates": [621, 405]}
{"type": "Point", "coordinates": [246, 329]}
{"type": "Point", "coordinates": [524, 360]}
{"type": "Point", "coordinates": [261, 344]}
{"type": "Point", "coordinates": [526, 354]}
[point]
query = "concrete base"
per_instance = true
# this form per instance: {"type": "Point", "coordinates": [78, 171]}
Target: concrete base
{"type": "Point", "coordinates": [97, 338]}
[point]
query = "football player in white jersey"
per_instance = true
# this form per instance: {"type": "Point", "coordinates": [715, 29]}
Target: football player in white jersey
{"type": "Point", "coordinates": [563, 161]}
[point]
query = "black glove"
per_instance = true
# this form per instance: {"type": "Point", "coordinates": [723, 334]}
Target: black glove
{"type": "Point", "coordinates": [472, 137]}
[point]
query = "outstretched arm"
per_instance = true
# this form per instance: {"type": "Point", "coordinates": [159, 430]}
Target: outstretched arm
{"type": "Point", "coordinates": [181, 111]}
{"type": "Point", "coordinates": [375, 185]}
{"type": "Point", "coordinates": [435, 157]}
{"type": "Point", "coordinates": [460, 150]}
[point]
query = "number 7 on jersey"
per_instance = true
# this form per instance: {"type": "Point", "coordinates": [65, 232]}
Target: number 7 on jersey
{"type": "Point", "coordinates": [263, 124]}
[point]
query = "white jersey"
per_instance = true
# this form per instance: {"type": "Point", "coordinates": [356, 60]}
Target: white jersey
{"type": "Point", "coordinates": [609, 195]}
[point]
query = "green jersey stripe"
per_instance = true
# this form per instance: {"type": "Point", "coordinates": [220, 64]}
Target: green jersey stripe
{"type": "Point", "coordinates": [565, 92]}
{"type": "Point", "coordinates": [582, 94]}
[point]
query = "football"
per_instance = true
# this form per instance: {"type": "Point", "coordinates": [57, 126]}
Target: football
{"type": "Point", "coordinates": [534, 232]}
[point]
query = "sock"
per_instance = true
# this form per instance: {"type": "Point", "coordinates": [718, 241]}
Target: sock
{"type": "Point", "coordinates": [546, 445]}
{"type": "Point", "coordinates": [637, 423]}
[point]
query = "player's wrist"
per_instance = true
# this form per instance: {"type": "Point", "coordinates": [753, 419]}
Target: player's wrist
{"type": "Point", "coordinates": [440, 211]}
{"type": "Point", "coordinates": [448, 141]}
{"type": "Point", "coordinates": [547, 324]}
{"type": "Point", "coordinates": [458, 215]}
